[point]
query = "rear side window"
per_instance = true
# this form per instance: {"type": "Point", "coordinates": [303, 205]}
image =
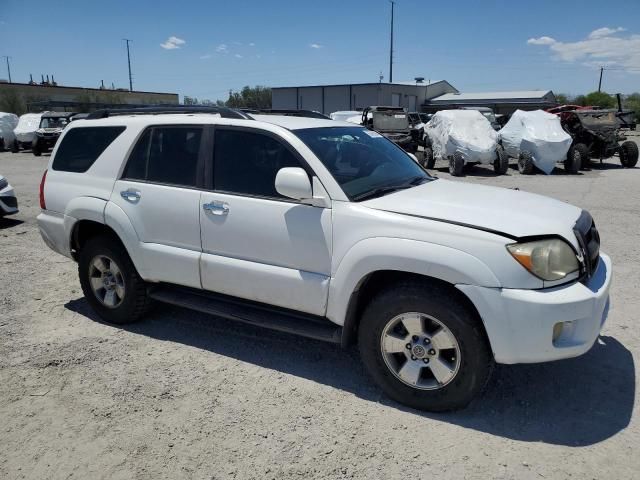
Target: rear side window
{"type": "Point", "coordinates": [247, 163]}
{"type": "Point", "coordinates": [81, 147]}
{"type": "Point", "coordinates": [167, 155]}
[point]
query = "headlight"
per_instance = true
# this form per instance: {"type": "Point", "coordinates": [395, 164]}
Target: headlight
{"type": "Point", "coordinates": [549, 259]}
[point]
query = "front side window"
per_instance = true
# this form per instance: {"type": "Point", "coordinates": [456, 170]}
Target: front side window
{"type": "Point", "coordinates": [167, 155]}
{"type": "Point", "coordinates": [364, 163]}
{"type": "Point", "coordinates": [247, 162]}
{"type": "Point", "coordinates": [82, 146]}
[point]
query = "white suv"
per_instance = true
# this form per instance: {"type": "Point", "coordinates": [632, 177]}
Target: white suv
{"type": "Point", "coordinates": [327, 230]}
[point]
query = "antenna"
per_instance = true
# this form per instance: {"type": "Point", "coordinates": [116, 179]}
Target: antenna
{"type": "Point", "coordinates": [129, 63]}
{"type": "Point", "coordinates": [393, 3]}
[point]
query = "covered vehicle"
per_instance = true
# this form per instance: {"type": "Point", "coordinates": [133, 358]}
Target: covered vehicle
{"type": "Point", "coordinates": [25, 131]}
{"type": "Point", "coordinates": [463, 137]}
{"type": "Point", "coordinates": [536, 139]}
{"type": "Point", "coordinates": [8, 121]}
{"type": "Point", "coordinates": [352, 116]}
{"type": "Point", "coordinates": [51, 126]}
{"type": "Point", "coordinates": [8, 200]}
{"type": "Point", "coordinates": [488, 113]}
{"type": "Point", "coordinates": [596, 134]}
{"type": "Point", "coordinates": [392, 123]}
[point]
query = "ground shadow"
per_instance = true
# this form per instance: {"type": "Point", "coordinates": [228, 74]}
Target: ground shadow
{"type": "Point", "coordinates": [472, 171]}
{"type": "Point", "coordinates": [574, 402]}
{"type": "Point", "coordinates": [8, 222]}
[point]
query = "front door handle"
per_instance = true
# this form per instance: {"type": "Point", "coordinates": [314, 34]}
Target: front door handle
{"type": "Point", "coordinates": [130, 195]}
{"type": "Point", "coordinates": [216, 207]}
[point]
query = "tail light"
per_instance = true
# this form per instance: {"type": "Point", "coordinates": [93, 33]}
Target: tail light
{"type": "Point", "coordinates": [43, 204]}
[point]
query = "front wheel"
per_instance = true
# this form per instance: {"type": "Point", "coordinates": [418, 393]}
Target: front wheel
{"type": "Point", "coordinates": [525, 163]}
{"type": "Point", "coordinates": [501, 163]}
{"type": "Point", "coordinates": [110, 282]}
{"type": "Point", "coordinates": [629, 154]}
{"type": "Point", "coordinates": [35, 148]}
{"type": "Point", "coordinates": [577, 156]}
{"type": "Point", "coordinates": [456, 164]}
{"type": "Point", "coordinates": [424, 348]}
{"type": "Point", "coordinates": [14, 147]}
{"type": "Point", "coordinates": [428, 160]}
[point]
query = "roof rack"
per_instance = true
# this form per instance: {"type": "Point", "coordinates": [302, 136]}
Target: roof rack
{"type": "Point", "coordinates": [224, 112]}
{"type": "Point", "coordinates": [286, 113]}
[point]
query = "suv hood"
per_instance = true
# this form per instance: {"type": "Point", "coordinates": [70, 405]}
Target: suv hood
{"type": "Point", "coordinates": [512, 213]}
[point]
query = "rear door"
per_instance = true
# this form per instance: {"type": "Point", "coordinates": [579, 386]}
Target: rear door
{"type": "Point", "coordinates": [257, 244]}
{"type": "Point", "coordinates": [159, 191]}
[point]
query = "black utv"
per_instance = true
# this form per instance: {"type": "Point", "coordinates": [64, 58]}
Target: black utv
{"type": "Point", "coordinates": [596, 134]}
{"type": "Point", "coordinates": [392, 123]}
{"type": "Point", "coordinates": [51, 126]}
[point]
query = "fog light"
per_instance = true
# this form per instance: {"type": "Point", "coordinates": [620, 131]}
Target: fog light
{"type": "Point", "coordinates": [557, 331]}
{"type": "Point", "coordinates": [562, 332]}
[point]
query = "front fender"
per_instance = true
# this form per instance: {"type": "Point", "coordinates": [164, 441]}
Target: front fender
{"type": "Point", "coordinates": [411, 256]}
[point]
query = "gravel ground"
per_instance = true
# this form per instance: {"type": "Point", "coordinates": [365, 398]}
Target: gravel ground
{"type": "Point", "coordinates": [185, 395]}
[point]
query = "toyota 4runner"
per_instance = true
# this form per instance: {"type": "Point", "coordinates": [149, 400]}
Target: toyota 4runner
{"type": "Point", "coordinates": [327, 230]}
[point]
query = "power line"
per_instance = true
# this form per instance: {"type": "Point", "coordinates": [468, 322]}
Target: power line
{"type": "Point", "coordinates": [129, 63]}
{"type": "Point", "coordinates": [8, 66]}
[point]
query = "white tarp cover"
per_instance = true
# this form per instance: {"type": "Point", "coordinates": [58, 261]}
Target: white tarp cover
{"type": "Point", "coordinates": [465, 131]}
{"type": "Point", "coordinates": [27, 125]}
{"type": "Point", "coordinates": [538, 133]}
{"type": "Point", "coordinates": [8, 121]}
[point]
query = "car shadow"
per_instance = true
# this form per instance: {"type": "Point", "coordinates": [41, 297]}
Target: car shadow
{"type": "Point", "coordinates": [576, 402]}
{"type": "Point", "coordinates": [473, 171]}
{"type": "Point", "coordinates": [7, 222]}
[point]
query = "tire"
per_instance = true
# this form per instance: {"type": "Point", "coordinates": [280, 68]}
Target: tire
{"type": "Point", "coordinates": [629, 154]}
{"type": "Point", "coordinates": [131, 300]}
{"type": "Point", "coordinates": [501, 163]}
{"type": "Point", "coordinates": [428, 160]}
{"type": "Point", "coordinates": [472, 356]}
{"type": "Point", "coordinates": [35, 148]}
{"type": "Point", "coordinates": [14, 147]}
{"type": "Point", "coordinates": [577, 156]}
{"type": "Point", "coordinates": [456, 165]}
{"type": "Point", "coordinates": [525, 163]}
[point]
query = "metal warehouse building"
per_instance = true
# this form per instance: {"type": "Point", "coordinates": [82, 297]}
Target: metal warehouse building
{"type": "Point", "coordinates": [331, 98]}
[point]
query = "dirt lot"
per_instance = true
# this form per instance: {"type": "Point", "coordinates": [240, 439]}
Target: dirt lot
{"type": "Point", "coordinates": [184, 395]}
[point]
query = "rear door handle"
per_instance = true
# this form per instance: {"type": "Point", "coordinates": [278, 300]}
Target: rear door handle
{"type": "Point", "coordinates": [130, 195]}
{"type": "Point", "coordinates": [216, 207]}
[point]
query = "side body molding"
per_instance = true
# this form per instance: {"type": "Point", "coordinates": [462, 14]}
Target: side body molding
{"type": "Point", "coordinates": [412, 256]}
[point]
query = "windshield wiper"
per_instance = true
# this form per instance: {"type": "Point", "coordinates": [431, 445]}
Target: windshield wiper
{"type": "Point", "coordinates": [380, 191]}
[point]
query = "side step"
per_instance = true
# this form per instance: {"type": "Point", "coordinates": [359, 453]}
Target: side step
{"type": "Point", "coordinates": [305, 325]}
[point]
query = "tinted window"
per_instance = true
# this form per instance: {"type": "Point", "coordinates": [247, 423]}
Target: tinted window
{"type": "Point", "coordinates": [166, 155]}
{"type": "Point", "coordinates": [247, 162]}
{"type": "Point", "coordinates": [81, 147]}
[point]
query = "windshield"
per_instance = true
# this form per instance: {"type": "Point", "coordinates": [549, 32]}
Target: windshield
{"type": "Point", "coordinates": [53, 122]}
{"type": "Point", "coordinates": [364, 163]}
{"type": "Point", "coordinates": [390, 121]}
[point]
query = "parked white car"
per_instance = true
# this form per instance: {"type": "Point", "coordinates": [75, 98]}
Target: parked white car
{"type": "Point", "coordinates": [536, 139]}
{"type": "Point", "coordinates": [8, 200]}
{"type": "Point", "coordinates": [327, 230]}
{"type": "Point", "coordinates": [8, 121]}
{"type": "Point", "coordinates": [463, 137]}
{"type": "Point", "coordinates": [25, 131]}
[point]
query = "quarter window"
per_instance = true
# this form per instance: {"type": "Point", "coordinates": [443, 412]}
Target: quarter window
{"type": "Point", "coordinates": [167, 155]}
{"type": "Point", "coordinates": [82, 146]}
{"type": "Point", "coordinates": [247, 162]}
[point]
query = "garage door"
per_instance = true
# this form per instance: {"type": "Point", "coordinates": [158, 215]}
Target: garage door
{"type": "Point", "coordinates": [395, 99]}
{"type": "Point", "coordinates": [413, 100]}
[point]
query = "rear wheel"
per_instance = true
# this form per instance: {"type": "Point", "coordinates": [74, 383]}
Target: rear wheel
{"type": "Point", "coordinates": [35, 148]}
{"type": "Point", "coordinates": [428, 160]}
{"type": "Point", "coordinates": [501, 163]}
{"type": "Point", "coordinates": [525, 163]}
{"type": "Point", "coordinates": [629, 154]}
{"type": "Point", "coordinates": [577, 156]}
{"type": "Point", "coordinates": [424, 348]}
{"type": "Point", "coordinates": [110, 282]}
{"type": "Point", "coordinates": [456, 165]}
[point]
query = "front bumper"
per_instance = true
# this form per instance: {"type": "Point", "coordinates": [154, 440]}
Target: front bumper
{"type": "Point", "coordinates": [520, 323]}
{"type": "Point", "coordinates": [8, 202]}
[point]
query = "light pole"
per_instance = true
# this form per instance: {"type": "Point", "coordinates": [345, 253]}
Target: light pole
{"type": "Point", "coordinates": [129, 63]}
{"type": "Point", "coordinates": [393, 3]}
{"type": "Point", "coordinates": [8, 66]}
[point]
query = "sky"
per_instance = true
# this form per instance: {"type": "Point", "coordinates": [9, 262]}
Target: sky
{"type": "Point", "coordinates": [204, 48]}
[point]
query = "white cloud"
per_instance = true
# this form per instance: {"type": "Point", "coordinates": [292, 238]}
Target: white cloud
{"type": "Point", "coordinates": [315, 45]}
{"type": "Point", "coordinates": [205, 57]}
{"type": "Point", "coordinates": [237, 55]}
{"type": "Point", "coordinates": [252, 44]}
{"type": "Point", "coordinates": [605, 32]}
{"type": "Point", "coordinates": [172, 43]}
{"type": "Point", "coordinates": [600, 47]}
{"type": "Point", "coordinates": [222, 48]}
{"type": "Point", "coordinates": [541, 41]}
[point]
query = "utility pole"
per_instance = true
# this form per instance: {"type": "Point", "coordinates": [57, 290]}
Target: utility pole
{"type": "Point", "coordinates": [393, 3]}
{"type": "Point", "coordinates": [129, 62]}
{"type": "Point", "coordinates": [600, 82]}
{"type": "Point", "coordinates": [8, 66]}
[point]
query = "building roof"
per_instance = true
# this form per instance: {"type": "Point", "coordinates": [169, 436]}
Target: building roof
{"type": "Point", "coordinates": [487, 96]}
{"type": "Point", "coordinates": [103, 90]}
{"type": "Point", "coordinates": [411, 84]}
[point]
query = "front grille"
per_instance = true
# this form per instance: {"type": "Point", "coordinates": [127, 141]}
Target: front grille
{"type": "Point", "coordinates": [11, 202]}
{"type": "Point", "coordinates": [589, 241]}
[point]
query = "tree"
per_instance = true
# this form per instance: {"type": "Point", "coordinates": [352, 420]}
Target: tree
{"type": "Point", "coordinates": [11, 102]}
{"type": "Point", "coordinates": [580, 100]}
{"type": "Point", "coordinates": [562, 98]}
{"type": "Point", "coordinates": [600, 99]}
{"type": "Point", "coordinates": [632, 102]}
{"type": "Point", "coordinates": [250, 97]}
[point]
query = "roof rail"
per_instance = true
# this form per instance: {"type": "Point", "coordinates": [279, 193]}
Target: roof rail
{"type": "Point", "coordinates": [224, 112]}
{"type": "Point", "coordinates": [285, 112]}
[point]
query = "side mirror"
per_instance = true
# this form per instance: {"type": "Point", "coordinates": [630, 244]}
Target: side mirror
{"type": "Point", "coordinates": [293, 182]}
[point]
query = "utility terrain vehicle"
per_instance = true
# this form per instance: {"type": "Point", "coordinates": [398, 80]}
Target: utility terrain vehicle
{"type": "Point", "coordinates": [51, 126]}
{"type": "Point", "coordinates": [392, 123]}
